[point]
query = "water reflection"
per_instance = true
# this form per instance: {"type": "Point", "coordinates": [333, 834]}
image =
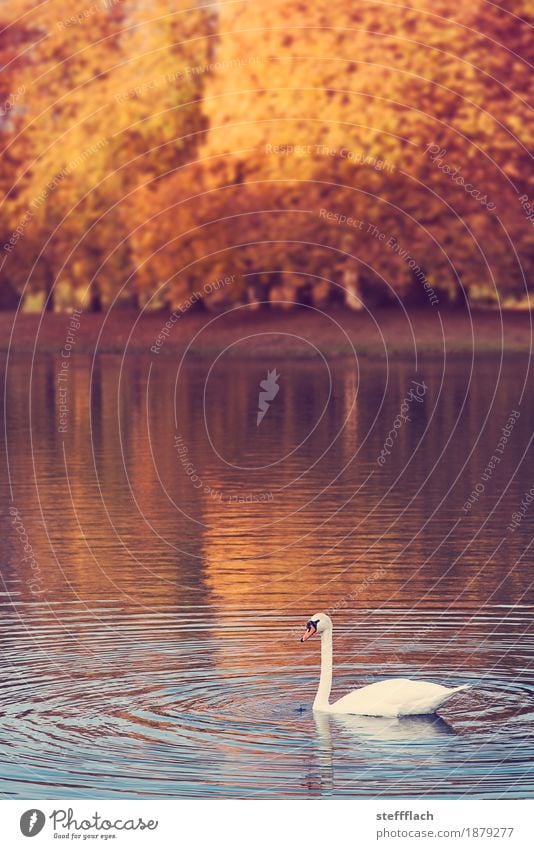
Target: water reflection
{"type": "Point", "coordinates": [392, 739]}
{"type": "Point", "coordinates": [382, 729]}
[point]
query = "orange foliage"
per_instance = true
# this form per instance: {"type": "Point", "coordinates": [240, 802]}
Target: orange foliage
{"type": "Point", "coordinates": [310, 149]}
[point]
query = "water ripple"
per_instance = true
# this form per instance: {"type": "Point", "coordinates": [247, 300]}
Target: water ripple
{"type": "Point", "coordinates": [229, 711]}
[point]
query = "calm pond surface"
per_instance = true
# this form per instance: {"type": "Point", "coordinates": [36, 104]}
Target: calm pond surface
{"type": "Point", "coordinates": [151, 647]}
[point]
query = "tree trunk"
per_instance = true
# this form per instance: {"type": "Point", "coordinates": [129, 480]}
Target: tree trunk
{"type": "Point", "coordinates": [255, 293]}
{"type": "Point", "coordinates": [461, 297]}
{"type": "Point", "coordinates": [9, 297]}
{"type": "Point", "coordinates": [95, 298]}
{"type": "Point", "coordinates": [351, 284]}
{"type": "Point", "coordinates": [49, 288]}
{"type": "Point", "coordinates": [133, 300]}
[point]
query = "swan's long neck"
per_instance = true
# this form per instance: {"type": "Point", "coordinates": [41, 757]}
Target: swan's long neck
{"type": "Point", "coordinates": [325, 684]}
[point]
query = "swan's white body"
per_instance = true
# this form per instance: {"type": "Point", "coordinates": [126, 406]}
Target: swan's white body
{"type": "Point", "coordinates": [394, 697]}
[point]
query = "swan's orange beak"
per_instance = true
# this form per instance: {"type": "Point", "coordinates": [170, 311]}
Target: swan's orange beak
{"type": "Point", "coordinates": [309, 632]}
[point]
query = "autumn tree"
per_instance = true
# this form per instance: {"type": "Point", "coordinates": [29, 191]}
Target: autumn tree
{"type": "Point", "coordinates": [318, 155]}
{"type": "Point", "coordinates": [103, 118]}
{"type": "Point", "coordinates": [310, 112]}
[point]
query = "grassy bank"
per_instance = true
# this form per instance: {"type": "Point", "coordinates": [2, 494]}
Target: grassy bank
{"type": "Point", "coordinates": [274, 333]}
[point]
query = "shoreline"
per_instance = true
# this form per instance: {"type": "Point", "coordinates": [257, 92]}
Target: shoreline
{"type": "Point", "coordinates": [298, 334]}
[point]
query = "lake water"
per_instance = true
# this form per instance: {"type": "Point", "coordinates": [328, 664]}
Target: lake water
{"type": "Point", "coordinates": [150, 648]}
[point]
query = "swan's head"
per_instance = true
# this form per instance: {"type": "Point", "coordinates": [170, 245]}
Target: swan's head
{"type": "Point", "coordinates": [318, 624]}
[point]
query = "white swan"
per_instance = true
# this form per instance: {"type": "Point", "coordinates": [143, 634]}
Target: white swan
{"type": "Point", "coordinates": [394, 697]}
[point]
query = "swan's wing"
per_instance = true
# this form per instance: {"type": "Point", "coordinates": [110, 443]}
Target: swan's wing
{"type": "Point", "coordinates": [395, 697]}
{"type": "Point", "coordinates": [378, 699]}
{"type": "Point", "coordinates": [428, 698]}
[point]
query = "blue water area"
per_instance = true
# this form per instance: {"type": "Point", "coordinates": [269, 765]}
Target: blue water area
{"type": "Point", "coordinates": [162, 552]}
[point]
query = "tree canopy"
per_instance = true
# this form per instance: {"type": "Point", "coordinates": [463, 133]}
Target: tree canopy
{"type": "Point", "coordinates": [366, 153]}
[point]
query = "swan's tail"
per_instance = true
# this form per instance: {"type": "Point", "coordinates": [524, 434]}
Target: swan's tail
{"type": "Point", "coordinates": [453, 691]}
{"type": "Point", "coordinates": [445, 696]}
